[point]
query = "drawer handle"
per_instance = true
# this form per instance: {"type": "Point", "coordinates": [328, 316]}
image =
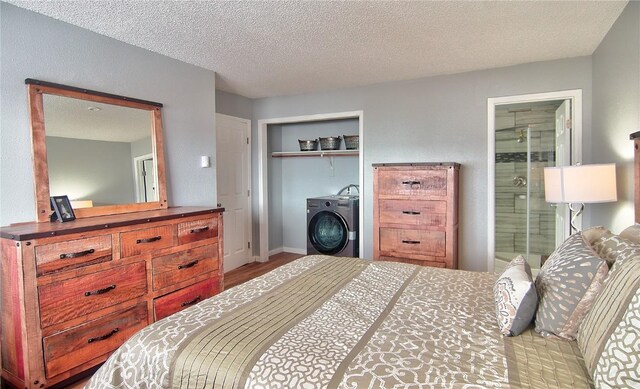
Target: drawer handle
{"type": "Point", "coordinates": [149, 240]}
{"type": "Point", "coordinates": [201, 229]}
{"type": "Point", "coordinates": [412, 183]}
{"type": "Point", "coordinates": [187, 265]}
{"type": "Point", "coordinates": [103, 337]}
{"type": "Point", "coordinates": [100, 291]}
{"type": "Point", "coordinates": [411, 212]}
{"type": "Point", "coordinates": [191, 302]}
{"type": "Point", "coordinates": [78, 254]}
{"type": "Point", "coordinates": [411, 241]}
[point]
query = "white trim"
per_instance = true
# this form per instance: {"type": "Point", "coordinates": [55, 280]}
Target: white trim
{"type": "Point", "coordinates": [249, 229]}
{"type": "Point", "coordinates": [294, 250]}
{"type": "Point", "coordinates": [273, 252]}
{"type": "Point", "coordinates": [263, 198]}
{"type": "Point", "coordinates": [136, 161]}
{"type": "Point", "coordinates": [575, 95]}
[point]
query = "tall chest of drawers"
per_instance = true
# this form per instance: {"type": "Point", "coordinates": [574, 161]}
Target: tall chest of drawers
{"type": "Point", "coordinates": [415, 213]}
{"type": "Point", "coordinates": [73, 292]}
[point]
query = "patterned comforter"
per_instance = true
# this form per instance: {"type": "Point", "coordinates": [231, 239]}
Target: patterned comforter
{"type": "Point", "coordinates": [334, 322]}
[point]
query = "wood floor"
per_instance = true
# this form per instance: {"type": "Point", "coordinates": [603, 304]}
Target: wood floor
{"type": "Point", "coordinates": [237, 277]}
{"type": "Point", "coordinates": [256, 269]}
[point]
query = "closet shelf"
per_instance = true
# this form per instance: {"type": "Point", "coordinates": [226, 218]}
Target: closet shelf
{"type": "Point", "coordinates": [319, 153]}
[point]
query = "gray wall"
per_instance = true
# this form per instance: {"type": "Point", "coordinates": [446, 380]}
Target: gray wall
{"type": "Point", "coordinates": [35, 46]}
{"type": "Point", "coordinates": [91, 170]}
{"type": "Point", "coordinates": [616, 112]}
{"type": "Point", "coordinates": [141, 147]}
{"type": "Point", "coordinates": [233, 105]}
{"type": "Point", "coordinates": [435, 119]}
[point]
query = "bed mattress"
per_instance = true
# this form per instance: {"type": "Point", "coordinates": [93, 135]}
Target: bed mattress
{"type": "Point", "coordinates": [332, 322]}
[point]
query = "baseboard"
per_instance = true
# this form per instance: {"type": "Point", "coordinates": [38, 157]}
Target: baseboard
{"type": "Point", "coordinates": [294, 250]}
{"type": "Point", "coordinates": [276, 251]}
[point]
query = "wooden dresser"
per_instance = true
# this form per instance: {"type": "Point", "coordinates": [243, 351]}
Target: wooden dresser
{"type": "Point", "coordinates": [73, 292]}
{"type": "Point", "coordinates": [415, 213]}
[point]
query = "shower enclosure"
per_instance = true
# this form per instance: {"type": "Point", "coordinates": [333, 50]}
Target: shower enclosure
{"type": "Point", "coordinates": [528, 138]}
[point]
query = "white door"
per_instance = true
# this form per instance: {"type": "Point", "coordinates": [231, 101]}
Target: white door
{"type": "Point", "coordinates": [233, 151]}
{"type": "Point", "coordinates": [563, 158]}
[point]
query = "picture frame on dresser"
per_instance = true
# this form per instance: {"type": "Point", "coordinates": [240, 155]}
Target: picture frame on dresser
{"type": "Point", "coordinates": [62, 209]}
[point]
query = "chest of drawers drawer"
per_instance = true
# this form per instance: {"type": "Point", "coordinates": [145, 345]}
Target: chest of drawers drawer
{"type": "Point", "coordinates": [413, 213]}
{"type": "Point", "coordinates": [183, 298]}
{"type": "Point", "coordinates": [184, 265]}
{"type": "Point", "coordinates": [412, 182]}
{"type": "Point", "coordinates": [196, 230]}
{"type": "Point", "coordinates": [64, 300]}
{"type": "Point", "coordinates": [414, 243]}
{"type": "Point", "coordinates": [75, 346]}
{"type": "Point", "coordinates": [147, 240]}
{"type": "Point", "coordinates": [71, 254]}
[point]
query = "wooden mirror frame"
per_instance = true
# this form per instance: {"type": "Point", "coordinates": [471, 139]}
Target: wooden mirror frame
{"type": "Point", "coordinates": [36, 89]}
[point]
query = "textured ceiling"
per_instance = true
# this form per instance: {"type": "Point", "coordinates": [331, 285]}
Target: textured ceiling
{"type": "Point", "coordinates": [271, 48]}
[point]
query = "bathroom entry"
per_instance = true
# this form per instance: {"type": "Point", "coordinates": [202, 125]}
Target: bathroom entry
{"type": "Point", "coordinates": [528, 138]}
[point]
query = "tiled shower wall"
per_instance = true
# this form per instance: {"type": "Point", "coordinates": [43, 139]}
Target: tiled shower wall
{"type": "Point", "coordinates": [511, 162]}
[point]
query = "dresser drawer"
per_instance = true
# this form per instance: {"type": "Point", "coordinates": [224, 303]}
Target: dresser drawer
{"type": "Point", "coordinates": [412, 183]}
{"type": "Point", "coordinates": [413, 213]}
{"type": "Point", "coordinates": [146, 240]}
{"type": "Point", "coordinates": [183, 298]}
{"type": "Point", "coordinates": [74, 347]}
{"type": "Point", "coordinates": [54, 257]}
{"type": "Point", "coordinates": [197, 230]}
{"type": "Point", "coordinates": [64, 300]}
{"type": "Point", "coordinates": [418, 243]}
{"type": "Point", "coordinates": [184, 265]}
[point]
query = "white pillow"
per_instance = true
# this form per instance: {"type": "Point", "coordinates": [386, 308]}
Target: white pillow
{"type": "Point", "coordinates": [515, 297]}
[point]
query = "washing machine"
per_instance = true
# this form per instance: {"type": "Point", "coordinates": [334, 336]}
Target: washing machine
{"type": "Point", "coordinates": [332, 225]}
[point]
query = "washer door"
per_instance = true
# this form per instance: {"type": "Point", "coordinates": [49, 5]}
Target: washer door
{"type": "Point", "coordinates": [328, 232]}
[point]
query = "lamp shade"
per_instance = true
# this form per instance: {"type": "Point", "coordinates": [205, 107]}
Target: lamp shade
{"type": "Point", "coordinates": [580, 184]}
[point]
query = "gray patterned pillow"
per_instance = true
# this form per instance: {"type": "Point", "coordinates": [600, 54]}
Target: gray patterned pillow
{"type": "Point", "coordinates": [592, 234]}
{"type": "Point", "coordinates": [632, 233]}
{"type": "Point", "coordinates": [609, 336]}
{"type": "Point", "coordinates": [516, 298]}
{"type": "Point", "coordinates": [614, 248]}
{"type": "Point", "coordinates": [567, 284]}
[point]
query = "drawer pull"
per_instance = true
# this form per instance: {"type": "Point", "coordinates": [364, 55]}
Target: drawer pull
{"type": "Point", "coordinates": [191, 302]}
{"type": "Point", "coordinates": [412, 183]}
{"type": "Point", "coordinates": [103, 337]}
{"type": "Point", "coordinates": [149, 240]}
{"type": "Point", "coordinates": [201, 229]}
{"type": "Point", "coordinates": [100, 291]}
{"type": "Point", "coordinates": [411, 241]}
{"type": "Point", "coordinates": [411, 212]}
{"type": "Point", "coordinates": [78, 254]}
{"type": "Point", "coordinates": [187, 265]}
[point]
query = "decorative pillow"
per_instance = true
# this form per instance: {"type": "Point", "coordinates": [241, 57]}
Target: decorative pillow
{"type": "Point", "coordinates": [516, 298]}
{"type": "Point", "coordinates": [609, 336]}
{"type": "Point", "coordinates": [632, 233]}
{"type": "Point", "coordinates": [615, 248]}
{"type": "Point", "coordinates": [567, 284]}
{"type": "Point", "coordinates": [592, 234]}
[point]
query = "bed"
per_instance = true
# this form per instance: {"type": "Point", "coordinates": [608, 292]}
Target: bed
{"type": "Point", "coordinates": [332, 322]}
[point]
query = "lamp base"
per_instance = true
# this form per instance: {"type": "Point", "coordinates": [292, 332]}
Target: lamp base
{"type": "Point", "coordinates": [576, 212]}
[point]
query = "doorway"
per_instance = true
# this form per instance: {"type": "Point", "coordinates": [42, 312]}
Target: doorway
{"type": "Point", "coordinates": [144, 168]}
{"type": "Point", "coordinates": [233, 162]}
{"type": "Point", "coordinates": [526, 134]}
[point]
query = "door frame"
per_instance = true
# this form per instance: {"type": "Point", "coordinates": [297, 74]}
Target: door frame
{"type": "Point", "coordinates": [263, 198]}
{"type": "Point", "coordinates": [248, 227]}
{"type": "Point", "coordinates": [136, 163]}
{"type": "Point", "coordinates": [575, 95]}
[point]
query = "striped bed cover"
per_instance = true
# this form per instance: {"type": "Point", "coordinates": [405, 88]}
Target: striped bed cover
{"type": "Point", "coordinates": [331, 322]}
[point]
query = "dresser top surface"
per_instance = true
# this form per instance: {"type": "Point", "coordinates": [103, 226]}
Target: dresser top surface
{"type": "Point", "coordinates": [417, 164]}
{"type": "Point", "coordinates": [34, 230]}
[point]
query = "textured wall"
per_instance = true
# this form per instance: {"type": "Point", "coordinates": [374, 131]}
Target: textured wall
{"type": "Point", "coordinates": [616, 112]}
{"type": "Point", "coordinates": [35, 46]}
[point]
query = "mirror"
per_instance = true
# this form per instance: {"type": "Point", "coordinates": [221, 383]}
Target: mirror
{"type": "Point", "coordinates": [103, 151]}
